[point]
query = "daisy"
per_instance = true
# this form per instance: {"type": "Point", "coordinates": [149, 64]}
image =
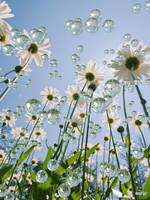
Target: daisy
{"type": "Point", "coordinates": [92, 73]}
{"type": "Point", "coordinates": [4, 33]}
{"type": "Point", "coordinates": [76, 123]}
{"type": "Point", "coordinates": [80, 113]}
{"type": "Point", "coordinates": [32, 118]}
{"type": "Point", "coordinates": [2, 155]}
{"type": "Point", "coordinates": [114, 120]}
{"type": "Point", "coordinates": [99, 150]}
{"type": "Point", "coordinates": [35, 51]}
{"type": "Point", "coordinates": [136, 123]}
{"type": "Point", "coordinates": [7, 118]}
{"type": "Point", "coordinates": [34, 162]}
{"type": "Point", "coordinates": [23, 67]}
{"type": "Point", "coordinates": [49, 95]}
{"type": "Point", "coordinates": [133, 60]}
{"type": "Point", "coordinates": [73, 92]}
{"type": "Point", "coordinates": [5, 11]}
{"type": "Point", "coordinates": [18, 133]}
{"type": "Point", "coordinates": [39, 134]}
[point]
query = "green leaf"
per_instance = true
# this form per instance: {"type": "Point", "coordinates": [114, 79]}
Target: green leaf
{"type": "Point", "coordinates": [4, 170]}
{"type": "Point", "coordinates": [112, 185]}
{"type": "Point", "coordinates": [127, 139]}
{"type": "Point", "coordinates": [80, 131]}
{"type": "Point", "coordinates": [25, 155]}
{"type": "Point", "coordinates": [32, 175]}
{"type": "Point", "coordinates": [146, 190]}
{"type": "Point", "coordinates": [76, 195]}
{"type": "Point", "coordinates": [48, 157]}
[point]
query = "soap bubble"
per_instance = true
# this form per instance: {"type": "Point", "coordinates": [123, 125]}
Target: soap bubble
{"type": "Point", "coordinates": [76, 27]}
{"type": "Point", "coordinates": [127, 37]}
{"type": "Point", "coordinates": [91, 25]}
{"type": "Point", "coordinates": [96, 14]}
{"type": "Point", "coordinates": [112, 87]}
{"type": "Point", "coordinates": [53, 116]}
{"type": "Point", "coordinates": [73, 179]}
{"type": "Point", "coordinates": [33, 106]}
{"type": "Point", "coordinates": [123, 175]}
{"type": "Point", "coordinates": [99, 105]}
{"type": "Point", "coordinates": [41, 176]}
{"type": "Point", "coordinates": [53, 165]}
{"type": "Point", "coordinates": [137, 152]}
{"type": "Point", "coordinates": [108, 25]}
{"type": "Point", "coordinates": [64, 190]}
{"type": "Point", "coordinates": [134, 43]}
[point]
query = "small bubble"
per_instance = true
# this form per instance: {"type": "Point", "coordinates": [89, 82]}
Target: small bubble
{"type": "Point", "coordinates": [80, 48]}
{"type": "Point", "coordinates": [91, 25]}
{"type": "Point", "coordinates": [106, 51]}
{"type": "Point", "coordinates": [53, 63]}
{"type": "Point", "coordinates": [136, 8]}
{"type": "Point", "coordinates": [76, 27]}
{"type": "Point", "coordinates": [108, 25]}
{"type": "Point", "coordinates": [75, 58]}
{"type": "Point", "coordinates": [134, 43]}
{"type": "Point", "coordinates": [127, 37]}
{"type": "Point", "coordinates": [147, 6]}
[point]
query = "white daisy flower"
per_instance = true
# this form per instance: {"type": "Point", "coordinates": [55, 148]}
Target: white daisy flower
{"type": "Point", "coordinates": [32, 118]}
{"type": "Point", "coordinates": [133, 59]}
{"type": "Point", "coordinates": [136, 123]}
{"type": "Point", "coordinates": [7, 118]}
{"type": "Point", "coordinates": [35, 51]}
{"type": "Point", "coordinates": [18, 133]}
{"type": "Point", "coordinates": [76, 123]}
{"type": "Point", "coordinates": [92, 73]}
{"type": "Point", "coordinates": [34, 162]}
{"type": "Point", "coordinates": [4, 33]}
{"type": "Point", "coordinates": [73, 92]}
{"type": "Point", "coordinates": [5, 10]}
{"type": "Point", "coordinates": [39, 134]}
{"type": "Point", "coordinates": [24, 67]}
{"type": "Point", "coordinates": [2, 155]}
{"type": "Point", "coordinates": [114, 120]}
{"type": "Point", "coordinates": [49, 95]}
{"type": "Point", "coordinates": [80, 113]}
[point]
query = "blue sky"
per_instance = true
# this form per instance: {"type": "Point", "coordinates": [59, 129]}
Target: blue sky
{"type": "Point", "coordinates": [53, 14]}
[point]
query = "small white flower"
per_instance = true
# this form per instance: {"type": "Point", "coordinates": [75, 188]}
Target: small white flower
{"type": "Point", "coordinates": [80, 113]}
{"type": "Point", "coordinates": [18, 133]}
{"type": "Point", "coordinates": [49, 95]}
{"type": "Point", "coordinates": [4, 33]}
{"type": "Point", "coordinates": [32, 118]}
{"type": "Point", "coordinates": [73, 92]}
{"type": "Point", "coordinates": [39, 134]}
{"type": "Point", "coordinates": [136, 123]}
{"type": "Point", "coordinates": [35, 51]}
{"type": "Point", "coordinates": [131, 62]}
{"type": "Point", "coordinates": [2, 155]}
{"type": "Point", "coordinates": [5, 11]}
{"type": "Point", "coordinates": [6, 118]}
{"type": "Point", "coordinates": [92, 73]}
{"type": "Point", "coordinates": [114, 120]}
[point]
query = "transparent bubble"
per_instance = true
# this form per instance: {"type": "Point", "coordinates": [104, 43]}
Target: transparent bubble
{"type": "Point", "coordinates": [136, 53]}
{"type": "Point", "coordinates": [9, 50]}
{"type": "Point", "coordinates": [123, 175]}
{"type": "Point", "coordinates": [33, 106]}
{"type": "Point", "coordinates": [126, 47]}
{"type": "Point", "coordinates": [64, 190]}
{"type": "Point", "coordinates": [3, 191]}
{"type": "Point", "coordinates": [9, 196]}
{"type": "Point", "coordinates": [44, 30]}
{"type": "Point", "coordinates": [93, 133]}
{"type": "Point", "coordinates": [53, 116]}
{"type": "Point", "coordinates": [109, 65]}
{"type": "Point", "coordinates": [131, 103]}
{"type": "Point", "coordinates": [106, 51]}
{"type": "Point", "coordinates": [136, 8]}
{"type": "Point", "coordinates": [96, 14]}
{"type": "Point", "coordinates": [14, 33]}
{"type": "Point", "coordinates": [76, 27]}
{"type": "Point", "coordinates": [68, 24]}
{"type": "Point", "coordinates": [103, 166]}
{"type": "Point", "coordinates": [147, 6]}
{"type": "Point", "coordinates": [127, 37]}
{"type": "Point", "coordinates": [75, 58]}
{"type": "Point", "coordinates": [53, 63]}
{"type": "Point", "coordinates": [79, 171]}
{"type": "Point", "coordinates": [22, 42]}
{"type": "Point", "coordinates": [80, 67]}
{"type": "Point", "coordinates": [112, 87]}
{"type": "Point", "coordinates": [108, 99]}
{"type": "Point", "coordinates": [80, 48]}
{"type": "Point", "coordinates": [104, 62]}
{"type": "Point", "coordinates": [73, 179]}
{"type": "Point", "coordinates": [112, 51]}
{"type": "Point", "coordinates": [53, 165]}
{"type": "Point", "coordinates": [134, 113]}
{"type": "Point", "coordinates": [110, 170]}
{"type": "Point", "coordinates": [50, 75]}
{"type": "Point", "coordinates": [99, 105]}
{"type": "Point", "coordinates": [91, 25]}
{"type": "Point", "coordinates": [134, 43]}
{"type": "Point", "coordinates": [137, 152]}
{"type": "Point", "coordinates": [45, 57]}
{"type": "Point", "coordinates": [122, 147]}
{"type": "Point", "coordinates": [43, 115]}
{"type": "Point", "coordinates": [41, 176]}
{"type": "Point", "coordinates": [108, 25]}
{"type": "Point", "coordinates": [37, 36]}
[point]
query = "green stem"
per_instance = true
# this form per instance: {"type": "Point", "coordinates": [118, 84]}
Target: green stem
{"type": "Point", "coordinates": [129, 147]}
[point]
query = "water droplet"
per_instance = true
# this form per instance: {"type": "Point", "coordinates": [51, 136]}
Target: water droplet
{"type": "Point", "coordinates": [99, 105]}
{"type": "Point", "coordinates": [91, 25]}
{"type": "Point", "coordinates": [64, 190]}
{"type": "Point", "coordinates": [112, 87]}
{"type": "Point", "coordinates": [45, 57]}
{"type": "Point", "coordinates": [37, 36]}
{"type": "Point", "coordinates": [136, 8]}
{"type": "Point", "coordinates": [104, 62]}
{"type": "Point", "coordinates": [41, 176]}
{"type": "Point", "coordinates": [147, 6]}
{"type": "Point", "coordinates": [44, 30]}
{"type": "Point", "coordinates": [76, 27]}
{"type": "Point", "coordinates": [22, 42]}
{"type": "Point", "coordinates": [53, 63]}
{"type": "Point", "coordinates": [3, 191]}
{"type": "Point", "coordinates": [96, 14]}
{"type": "Point", "coordinates": [75, 58]}
{"type": "Point", "coordinates": [122, 147]}
{"type": "Point", "coordinates": [123, 175]}
{"type": "Point", "coordinates": [79, 48]}
{"type": "Point", "coordinates": [53, 165]}
{"type": "Point", "coordinates": [73, 179]}
{"type": "Point", "coordinates": [68, 24]}
{"type": "Point", "coordinates": [136, 53]}
{"type": "Point", "coordinates": [102, 167]}
{"type": "Point", "coordinates": [79, 171]}
{"type": "Point", "coordinates": [9, 196]}
{"type": "Point", "coordinates": [127, 37]}
{"type": "Point", "coordinates": [9, 50]}
{"type": "Point", "coordinates": [134, 43]}
{"type": "Point", "coordinates": [14, 33]}
{"type": "Point", "coordinates": [110, 170]}
{"type": "Point", "coordinates": [108, 99]}
{"type": "Point", "coordinates": [106, 51]}
{"type": "Point", "coordinates": [137, 152]}
{"type": "Point", "coordinates": [108, 25]}
{"type": "Point", "coordinates": [33, 106]}
{"type": "Point", "coordinates": [148, 109]}
{"type": "Point", "coordinates": [53, 116]}
{"type": "Point", "coordinates": [112, 51]}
